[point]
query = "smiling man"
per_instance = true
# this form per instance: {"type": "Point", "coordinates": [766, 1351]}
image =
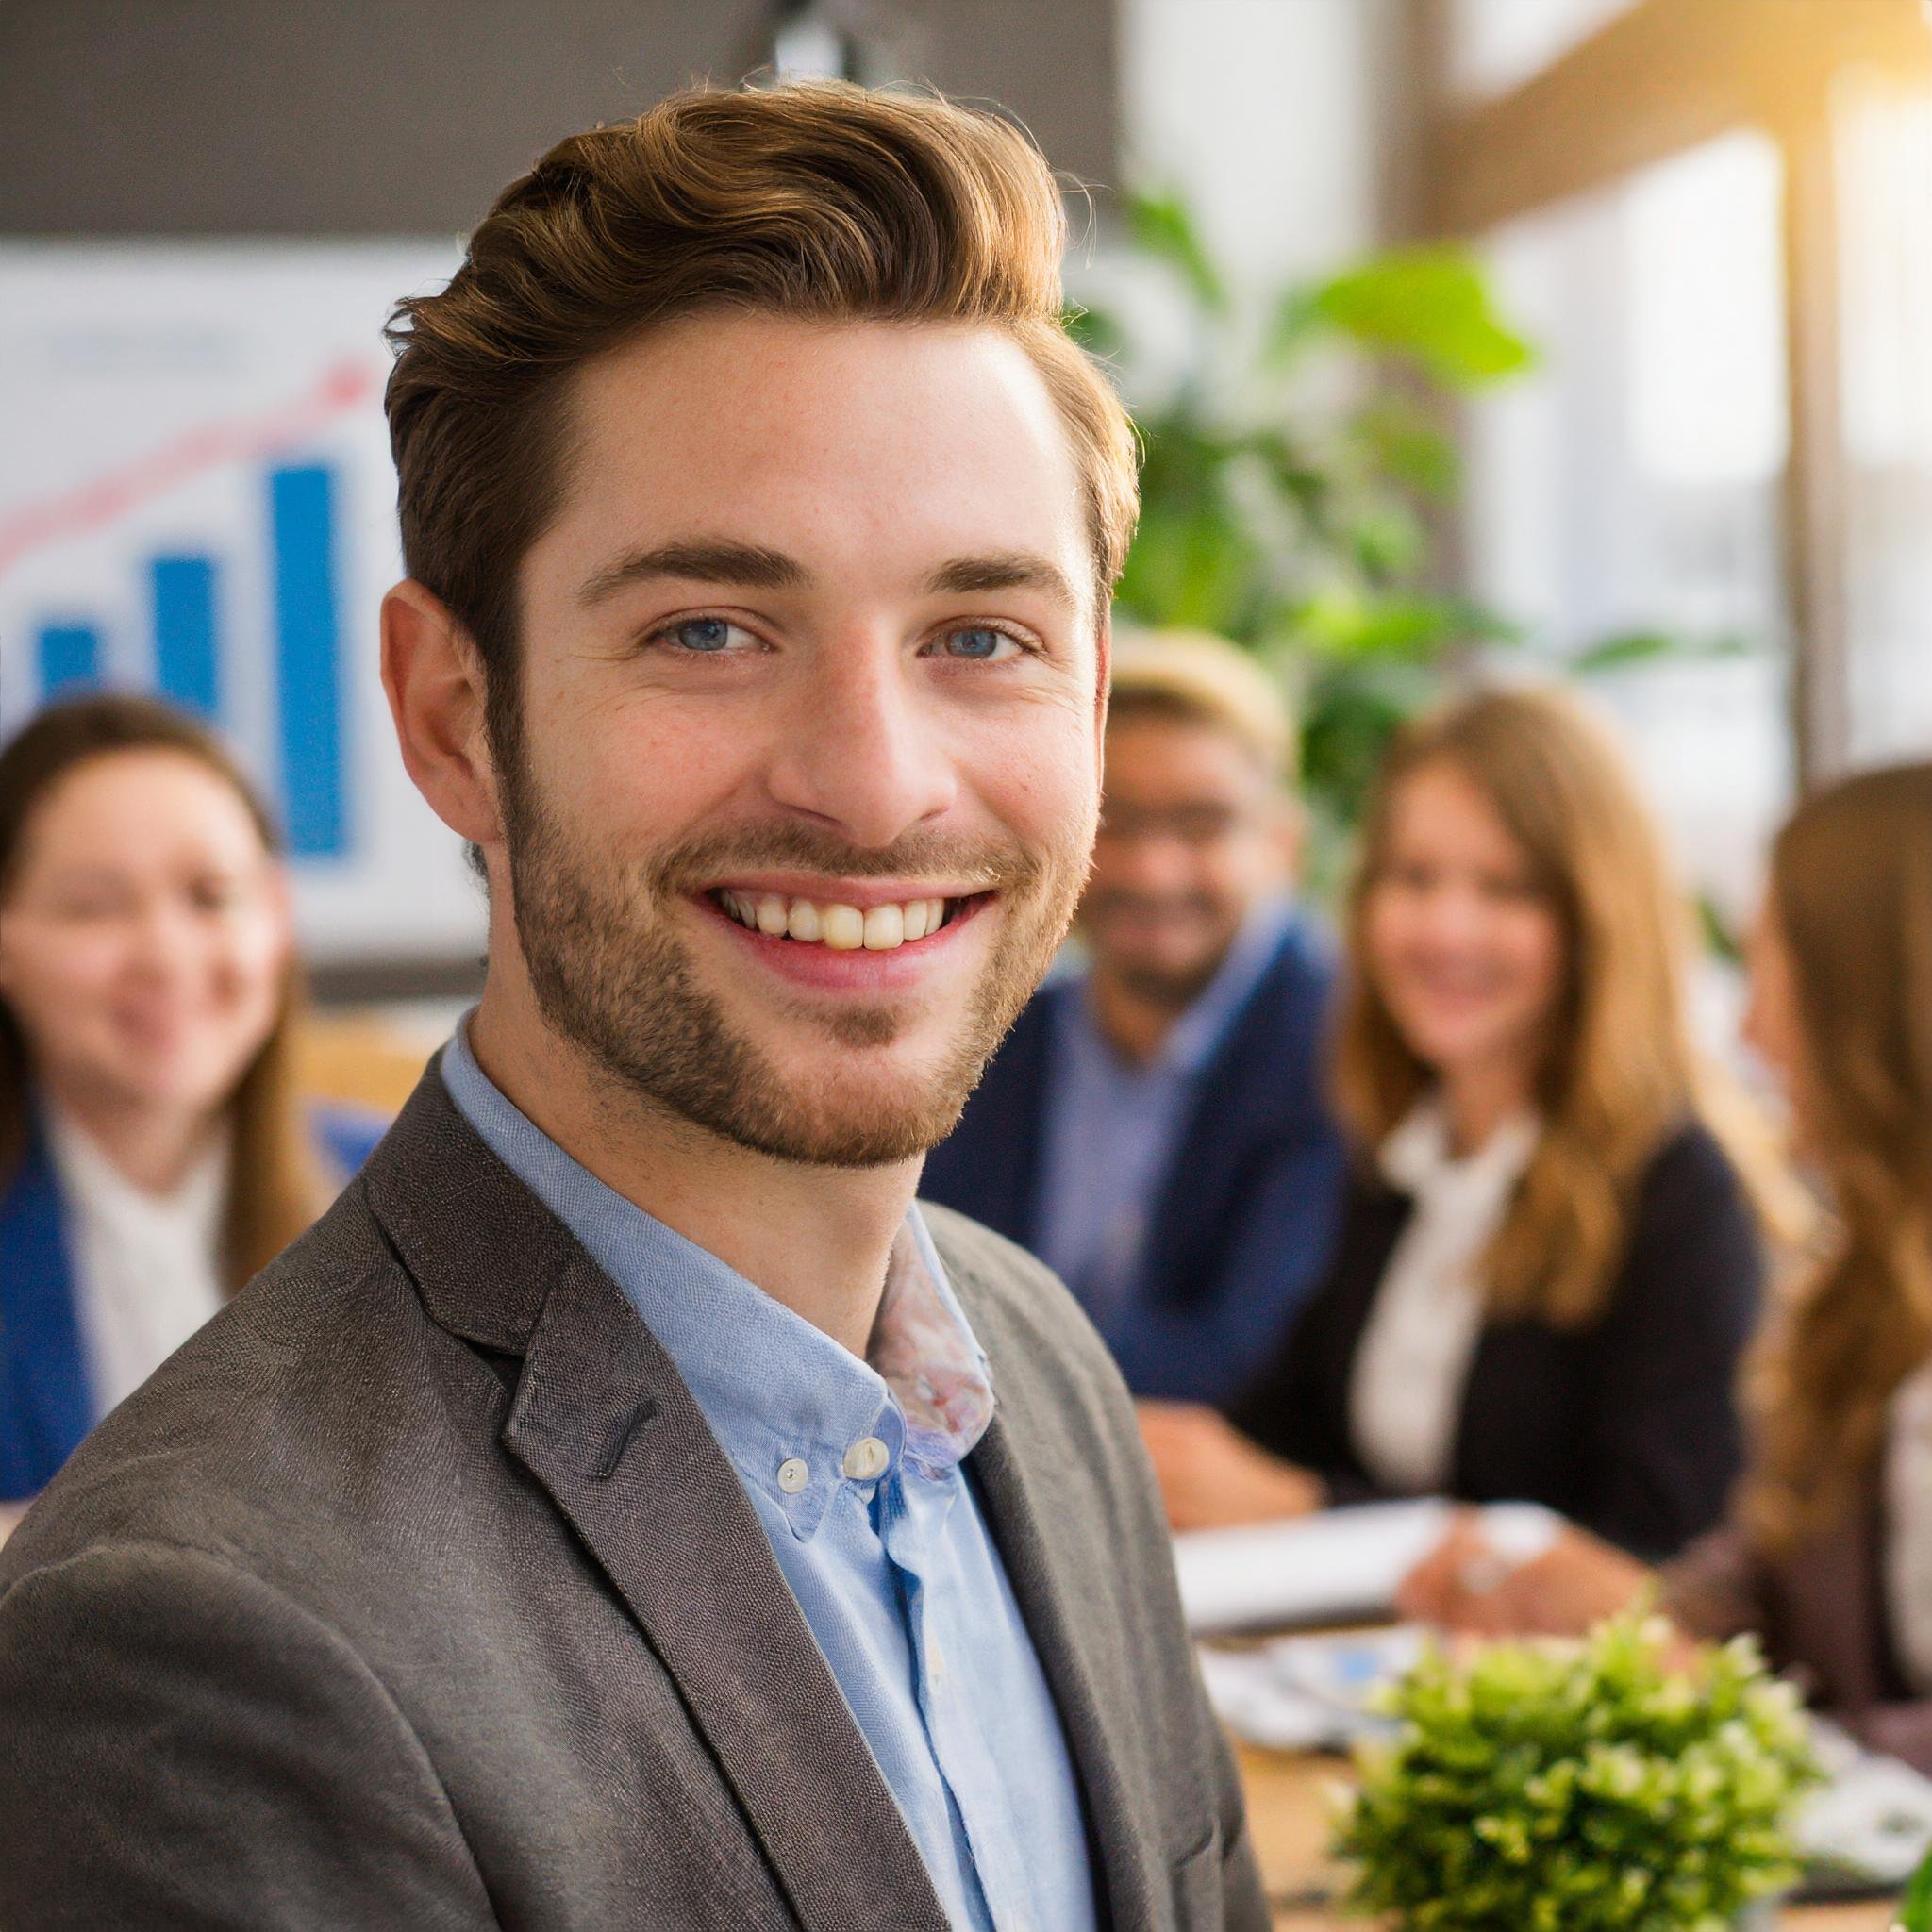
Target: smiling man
{"type": "Point", "coordinates": [626, 1509]}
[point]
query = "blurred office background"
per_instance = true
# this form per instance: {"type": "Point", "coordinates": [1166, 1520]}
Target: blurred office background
{"type": "Point", "coordinates": [1583, 334]}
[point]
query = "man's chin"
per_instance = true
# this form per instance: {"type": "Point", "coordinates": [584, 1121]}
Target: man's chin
{"type": "Point", "coordinates": [868, 1107]}
{"type": "Point", "coordinates": [1174, 983]}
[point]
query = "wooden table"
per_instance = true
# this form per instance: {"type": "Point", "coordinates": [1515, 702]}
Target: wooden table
{"type": "Point", "coordinates": [1289, 1812]}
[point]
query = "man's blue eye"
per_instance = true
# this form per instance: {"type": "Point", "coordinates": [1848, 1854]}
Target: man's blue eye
{"type": "Point", "coordinates": [702, 633]}
{"type": "Point", "coordinates": [975, 640]}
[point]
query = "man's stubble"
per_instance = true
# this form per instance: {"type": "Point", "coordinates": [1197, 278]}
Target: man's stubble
{"type": "Point", "coordinates": [611, 974]}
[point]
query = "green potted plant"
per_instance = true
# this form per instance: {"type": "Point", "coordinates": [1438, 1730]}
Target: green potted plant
{"type": "Point", "coordinates": [1592, 1787]}
{"type": "Point", "coordinates": [1915, 1908]}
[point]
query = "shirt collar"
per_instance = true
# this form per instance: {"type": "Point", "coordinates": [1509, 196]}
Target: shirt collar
{"type": "Point", "coordinates": [189, 1216]}
{"type": "Point", "coordinates": [1418, 1157]}
{"type": "Point", "coordinates": [792, 1408]}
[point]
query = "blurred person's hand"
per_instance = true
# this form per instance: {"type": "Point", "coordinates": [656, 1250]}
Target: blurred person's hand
{"type": "Point", "coordinates": [1211, 1476]}
{"type": "Point", "coordinates": [10, 1514]}
{"type": "Point", "coordinates": [1464, 1586]}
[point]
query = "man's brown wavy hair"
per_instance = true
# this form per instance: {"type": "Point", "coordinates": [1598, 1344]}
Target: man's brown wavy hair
{"type": "Point", "coordinates": [1851, 896]}
{"type": "Point", "coordinates": [822, 202]}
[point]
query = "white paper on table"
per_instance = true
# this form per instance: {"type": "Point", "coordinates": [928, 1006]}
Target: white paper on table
{"type": "Point", "coordinates": [1872, 1821]}
{"type": "Point", "coordinates": [1338, 1566]}
{"type": "Point", "coordinates": [1309, 1693]}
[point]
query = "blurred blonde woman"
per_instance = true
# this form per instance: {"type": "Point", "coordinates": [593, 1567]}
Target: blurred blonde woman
{"type": "Point", "coordinates": [1828, 1553]}
{"type": "Point", "coordinates": [1548, 1267]}
{"type": "Point", "coordinates": [153, 1154]}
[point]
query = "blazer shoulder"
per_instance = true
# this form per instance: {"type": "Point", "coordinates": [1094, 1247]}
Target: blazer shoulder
{"type": "Point", "coordinates": [1267, 1065]}
{"type": "Point", "coordinates": [224, 1438]}
{"type": "Point", "coordinates": [1692, 1218]}
{"type": "Point", "coordinates": [1689, 1176]}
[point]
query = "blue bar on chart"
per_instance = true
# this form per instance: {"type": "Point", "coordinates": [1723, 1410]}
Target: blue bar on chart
{"type": "Point", "coordinates": [68, 659]}
{"type": "Point", "coordinates": [303, 513]}
{"type": "Point", "coordinates": [182, 595]}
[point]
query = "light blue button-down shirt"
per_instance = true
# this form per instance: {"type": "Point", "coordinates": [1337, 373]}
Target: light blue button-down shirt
{"type": "Point", "coordinates": [1111, 1125]}
{"type": "Point", "coordinates": [856, 1478]}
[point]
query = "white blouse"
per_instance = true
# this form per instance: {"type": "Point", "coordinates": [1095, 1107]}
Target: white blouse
{"type": "Point", "coordinates": [146, 1267]}
{"type": "Point", "coordinates": [1908, 1514]}
{"type": "Point", "coordinates": [1406, 1388]}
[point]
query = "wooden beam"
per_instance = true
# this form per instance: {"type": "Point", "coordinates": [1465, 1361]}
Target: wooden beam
{"type": "Point", "coordinates": [1664, 77]}
{"type": "Point", "coordinates": [1816, 529]}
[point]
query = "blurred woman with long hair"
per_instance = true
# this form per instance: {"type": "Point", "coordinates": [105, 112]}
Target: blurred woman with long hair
{"type": "Point", "coordinates": [1828, 1551]}
{"type": "Point", "coordinates": [153, 1152]}
{"type": "Point", "coordinates": [1548, 1267]}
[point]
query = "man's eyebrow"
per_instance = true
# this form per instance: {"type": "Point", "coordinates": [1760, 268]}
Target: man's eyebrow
{"type": "Point", "coordinates": [1005, 569]}
{"type": "Point", "coordinates": [699, 560]}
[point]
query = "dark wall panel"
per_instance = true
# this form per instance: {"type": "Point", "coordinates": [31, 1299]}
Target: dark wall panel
{"type": "Point", "coordinates": [284, 117]}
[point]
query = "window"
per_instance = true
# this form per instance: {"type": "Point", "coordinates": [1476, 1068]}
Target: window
{"type": "Point", "coordinates": [1632, 484]}
{"type": "Point", "coordinates": [1883, 152]}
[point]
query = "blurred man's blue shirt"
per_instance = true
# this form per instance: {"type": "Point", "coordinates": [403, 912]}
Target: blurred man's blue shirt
{"type": "Point", "coordinates": [1113, 1125]}
{"type": "Point", "coordinates": [857, 1477]}
{"type": "Point", "coordinates": [1191, 1202]}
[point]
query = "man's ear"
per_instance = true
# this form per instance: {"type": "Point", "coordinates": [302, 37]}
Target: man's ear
{"type": "Point", "coordinates": [437, 697]}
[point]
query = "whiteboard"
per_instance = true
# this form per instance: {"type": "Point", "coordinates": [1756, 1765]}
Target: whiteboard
{"type": "Point", "coordinates": [196, 499]}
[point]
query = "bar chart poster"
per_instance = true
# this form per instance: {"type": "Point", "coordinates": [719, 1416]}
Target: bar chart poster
{"type": "Point", "coordinates": [197, 501]}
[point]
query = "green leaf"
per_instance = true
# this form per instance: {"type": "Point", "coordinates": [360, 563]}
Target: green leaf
{"type": "Point", "coordinates": [1096, 330]}
{"type": "Point", "coordinates": [1915, 1909]}
{"type": "Point", "coordinates": [1430, 306]}
{"type": "Point", "coordinates": [1651, 646]}
{"type": "Point", "coordinates": [1297, 320]}
{"type": "Point", "coordinates": [1162, 226]}
{"type": "Point", "coordinates": [1408, 448]}
{"type": "Point", "coordinates": [1357, 624]}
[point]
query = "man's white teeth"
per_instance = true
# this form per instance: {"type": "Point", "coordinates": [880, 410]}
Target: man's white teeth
{"type": "Point", "coordinates": [844, 928]}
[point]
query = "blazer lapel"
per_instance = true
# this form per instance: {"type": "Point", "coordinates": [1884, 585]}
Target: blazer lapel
{"type": "Point", "coordinates": [604, 1422]}
{"type": "Point", "coordinates": [1052, 1593]}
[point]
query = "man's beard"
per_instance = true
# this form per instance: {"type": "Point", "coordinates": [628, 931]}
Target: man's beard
{"type": "Point", "coordinates": [611, 974]}
{"type": "Point", "coordinates": [1176, 990]}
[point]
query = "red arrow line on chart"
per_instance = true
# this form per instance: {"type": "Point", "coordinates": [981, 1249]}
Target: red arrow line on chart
{"type": "Point", "coordinates": [342, 387]}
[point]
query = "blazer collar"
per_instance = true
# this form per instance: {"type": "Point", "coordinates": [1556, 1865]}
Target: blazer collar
{"type": "Point", "coordinates": [602, 1422]}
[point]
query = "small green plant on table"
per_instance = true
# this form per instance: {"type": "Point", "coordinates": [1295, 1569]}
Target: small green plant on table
{"type": "Point", "coordinates": [1588, 1787]}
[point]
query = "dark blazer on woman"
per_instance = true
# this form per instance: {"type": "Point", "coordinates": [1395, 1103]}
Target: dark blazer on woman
{"type": "Point", "coordinates": [46, 1404]}
{"type": "Point", "coordinates": [1628, 1426]}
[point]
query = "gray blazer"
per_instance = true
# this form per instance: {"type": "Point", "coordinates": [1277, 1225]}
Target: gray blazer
{"type": "Point", "coordinates": [415, 1591]}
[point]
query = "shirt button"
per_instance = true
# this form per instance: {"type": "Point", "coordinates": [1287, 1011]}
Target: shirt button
{"type": "Point", "coordinates": [792, 1476]}
{"type": "Point", "coordinates": [866, 1458]}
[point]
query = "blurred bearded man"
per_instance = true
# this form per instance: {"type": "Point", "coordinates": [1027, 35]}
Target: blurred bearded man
{"type": "Point", "coordinates": [1156, 1128]}
{"type": "Point", "coordinates": [626, 1509]}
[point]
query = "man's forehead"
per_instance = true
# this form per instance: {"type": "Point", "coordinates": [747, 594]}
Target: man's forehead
{"type": "Point", "coordinates": [1156, 745]}
{"type": "Point", "coordinates": [762, 430]}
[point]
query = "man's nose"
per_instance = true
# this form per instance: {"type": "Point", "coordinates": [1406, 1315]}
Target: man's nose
{"type": "Point", "coordinates": [864, 752]}
{"type": "Point", "coordinates": [1154, 860]}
